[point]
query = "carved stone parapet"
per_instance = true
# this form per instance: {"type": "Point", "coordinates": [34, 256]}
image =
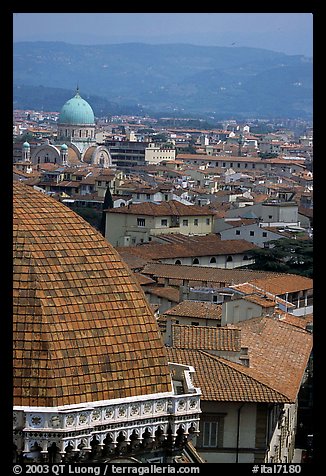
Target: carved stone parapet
{"type": "Point", "coordinates": [132, 422]}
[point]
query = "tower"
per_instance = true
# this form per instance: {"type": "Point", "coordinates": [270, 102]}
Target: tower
{"type": "Point", "coordinates": [64, 154]}
{"type": "Point", "coordinates": [26, 152]}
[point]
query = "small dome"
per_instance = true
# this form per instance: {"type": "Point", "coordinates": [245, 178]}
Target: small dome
{"type": "Point", "coordinates": [64, 147]}
{"type": "Point", "coordinates": [26, 145]}
{"type": "Point", "coordinates": [76, 111]}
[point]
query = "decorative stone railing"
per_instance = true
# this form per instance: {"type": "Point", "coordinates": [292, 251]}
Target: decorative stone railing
{"type": "Point", "coordinates": [80, 424]}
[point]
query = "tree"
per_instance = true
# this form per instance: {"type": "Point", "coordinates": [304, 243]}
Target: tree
{"type": "Point", "coordinates": [286, 255]}
{"type": "Point", "coordinates": [268, 155]}
{"type": "Point", "coordinates": [108, 203]}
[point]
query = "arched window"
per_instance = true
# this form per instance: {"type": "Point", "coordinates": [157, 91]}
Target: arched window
{"type": "Point", "coordinates": [177, 261]}
{"type": "Point", "coordinates": [212, 260]}
{"type": "Point", "coordinates": [229, 259]}
{"type": "Point", "coordinates": [195, 261]}
{"type": "Point", "coordinates": [245, 258]}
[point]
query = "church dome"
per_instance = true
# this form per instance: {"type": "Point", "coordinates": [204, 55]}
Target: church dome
{"type": "Point", "coordinates": [26, 145]}
{"type": "Point", "coordinates": [82, 328]}
{"type": "Point", "coordinates": [76, 111]}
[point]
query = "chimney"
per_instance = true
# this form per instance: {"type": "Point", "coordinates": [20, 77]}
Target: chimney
{"type": "Point", "coordinates": [168, 340]}
{"type": "Point", "coordinates": [183, 293]}
{"type": "Point", "coordinates": [244, 356]}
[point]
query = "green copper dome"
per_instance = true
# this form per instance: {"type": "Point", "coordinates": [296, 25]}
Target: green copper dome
{"type": "Point", "coordinates": [76, 111]}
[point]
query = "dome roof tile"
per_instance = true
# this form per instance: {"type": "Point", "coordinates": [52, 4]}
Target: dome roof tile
{"type": "Point", "coordinates": [83, 330]}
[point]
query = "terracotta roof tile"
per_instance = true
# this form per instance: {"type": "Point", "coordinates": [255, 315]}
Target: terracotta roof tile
{"type": "Point", "coordinates": [296, 321]}
{"type": "Point", "coordinates": [172, 207]}
{"type": "Point", "coordinates": [287, 283]}
{"type": "Point", "coordinates": [200, 246]}
{"type": "Point", "coordinates": [222, 380]}
{"type": "Point", "coordinates": [277, 350]}
{"type": "Point", "coordinates": [83, 330]}
{"type": "Point", "coordinates": [204, 310]}
{"type": "Point", "coordinates": [204, 273]}
{"type": "Point", "coordinates": [167, 292]}
{"type": "Point", "coordinates": [278, 356]}
{"type": "Point", "coordinates": [206, 338]}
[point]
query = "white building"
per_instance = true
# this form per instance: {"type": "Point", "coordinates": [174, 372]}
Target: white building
{"type": "Point", "coordinates": [155, 153]}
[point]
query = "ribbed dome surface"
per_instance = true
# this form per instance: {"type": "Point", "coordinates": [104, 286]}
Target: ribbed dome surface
{"type": "Point", "coordinates": [83, 330]}
{"type": "Point", "coordinates": [76, 111]}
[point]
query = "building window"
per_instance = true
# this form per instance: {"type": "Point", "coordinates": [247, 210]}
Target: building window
{"type": "Point", "coordinates": [140, 221]}
{"type": "Point", "coordinates": [252, 233]}
{"type": "Point", "coordinates": [195, 261]}
{"type": "Point", "coordinates": [229, 259]}
{"type": "Point", "coordinates": [211, 431]}
{"type": "Point", "coordinates": [237, 232]}
{"type": "Point", "coordinates": [196, 221]}
{"type": "Point", "coordinates": [164, 222]}
{"type": "Point", "coordinates": [177, 261]}
{"type": "Point", "coordinates": [208, 221]}
{"type": "Point", "coordinates": [194, 323]}
{"type": "Point", "coordinates": [210, 434]}
{"type": "Point", "coordinates": [265, 234]}
{"type": "Point", "coordinates": [184, 222]}
{"type": "Point", "coordinates": [212, 260]}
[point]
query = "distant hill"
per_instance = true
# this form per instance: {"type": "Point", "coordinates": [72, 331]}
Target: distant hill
{"type": "Point", "coordinates": [41, 98]}
{"type": "Point", "coordinates": [179, 78]}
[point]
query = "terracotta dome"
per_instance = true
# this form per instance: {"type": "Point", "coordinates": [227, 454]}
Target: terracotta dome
{"type": "Point", "coordinates": [83, 330]}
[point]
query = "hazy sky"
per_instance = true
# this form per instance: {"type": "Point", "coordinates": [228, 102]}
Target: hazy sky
{"type": "Point", "coordinates": [290, 33]}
